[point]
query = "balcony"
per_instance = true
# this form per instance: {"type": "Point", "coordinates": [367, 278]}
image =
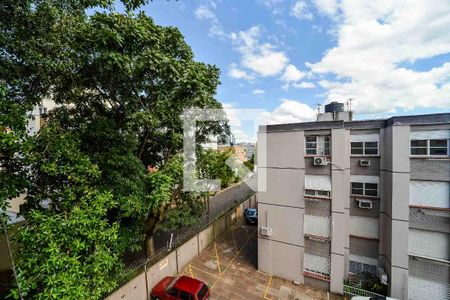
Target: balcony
{"type": "Point", "coordinates": [316, 266]}
{"type": "Point", "coordinates": [317, 227]}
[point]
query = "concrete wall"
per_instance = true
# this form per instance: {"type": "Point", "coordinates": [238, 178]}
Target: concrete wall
{"type": "Point", "coordinates": [311, 169]}
{"type": "Point", "coordinates": [374, 212]}
{"type": "Point", "coordinates": [280, 259]}
{"type": "Point", "coordinates": [281, 206]}
{"type": "Point", "coordinates": [176, 260]}
{"type": "Point", "coordinates": [283, 150]}
{"type": "Point", "coordinates": [394, 179]}
{"type": "Point", "coordinates": [187, 252]}
{"type": "Point", "coordinates": [205, 238]}
{"type": "Point", "coordinates": [280, 218]}
{"type": "Point", "coordinates": [220, 226]}
{"type": "Point", "coordinates": [373, 169]}
{"type": "Point", "coordinates": [340, 194]}
{"type": "Point", "coordinates": [284, 187]}
{"type": "Point", "coordinates": [319, 284]}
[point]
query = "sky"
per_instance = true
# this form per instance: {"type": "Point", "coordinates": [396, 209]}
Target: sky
{"type": "Point", "coordinates": [286, 57]}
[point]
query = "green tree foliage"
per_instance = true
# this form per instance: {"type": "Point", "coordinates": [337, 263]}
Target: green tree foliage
{"type": "Point", "coordinates": [212, 164]}
{"type": "Point", "coordinates": [67, 248]}
{"type": "Point", "coordinates": [121, 83]}
{"type": "Point", "coordinates": [13, 145]}
{"type": "Point", "coordinates": [250, 164]}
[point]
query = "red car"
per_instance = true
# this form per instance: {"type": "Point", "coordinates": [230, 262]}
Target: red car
{"type": "Point", "coordinates": [180, 288]}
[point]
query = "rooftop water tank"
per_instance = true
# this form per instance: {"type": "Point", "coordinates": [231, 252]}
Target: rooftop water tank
{"type": "Point", "coordinates": [334, 107]}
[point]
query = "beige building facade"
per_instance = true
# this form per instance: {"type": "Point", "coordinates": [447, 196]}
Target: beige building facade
{"type": "Point", "coordinates": [345, 198]}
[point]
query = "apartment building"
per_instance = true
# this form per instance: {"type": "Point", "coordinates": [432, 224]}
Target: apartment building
{"type": "Point", "coordinates": [350, 197]}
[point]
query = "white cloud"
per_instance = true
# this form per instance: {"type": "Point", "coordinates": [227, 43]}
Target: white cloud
{"type": "Point", "coordinates": [258, 92]}
{"type": "Point", "coordinates": [270, 3]}
{"type": "Point", "coordinates": [265, 61]}
{"type": "Point", "coordinates": [327, 7]}
{"type": "Point", "coordinates": [206, 12]}
{"type": "Point", "coordinates": [260, 58]}
{"type": "Point", "coordinates": [273, 5]}
{"type": "Point", "coordinates": [301, 11]}
{"type": "Point", "coordinates": [235, 72]}
{"type": "Point", "coordinates": [234, 117]}
{"type": "Point", "coordinates": [291, 76]}
{"type": "Point", "coordinates": [290, 111]}
{"type": "Point", "coordinates": [291, 73]}
{"type": "Point", "coordinates": [304, 85]}
{"type": "Point", "coordinates": [377, 40]}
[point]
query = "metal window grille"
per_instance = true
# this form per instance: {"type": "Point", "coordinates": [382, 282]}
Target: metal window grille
{"type": "Point", "coordinates": [317, 226]}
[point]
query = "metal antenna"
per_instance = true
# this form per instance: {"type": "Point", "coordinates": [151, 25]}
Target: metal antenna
{"type": "Point", "coordinates": [318, 107]}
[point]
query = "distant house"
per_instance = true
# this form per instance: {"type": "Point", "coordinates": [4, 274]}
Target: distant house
{"type": "Point", "coordinates": [239, 152]}
{"type": "Point", "coordinates": [249, 149]}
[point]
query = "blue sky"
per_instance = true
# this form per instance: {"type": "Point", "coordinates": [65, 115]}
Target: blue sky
{"type": "Point", "coordinates": [390, 57]}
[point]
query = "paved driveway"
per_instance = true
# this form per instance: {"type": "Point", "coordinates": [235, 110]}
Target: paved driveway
{"type": "Point", "coordinates": [229, 267]}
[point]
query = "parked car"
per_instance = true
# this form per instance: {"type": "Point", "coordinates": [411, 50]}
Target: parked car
{"type": "Point", "coordinates": [251, 215]}
{"type": "Point", "coordinates": [180, 288]}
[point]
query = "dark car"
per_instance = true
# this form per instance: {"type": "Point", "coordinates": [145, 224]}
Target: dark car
{"type": "Point", "coordinates": [251, 216]}
{"type": "Point", "coordinates": [180, 288]}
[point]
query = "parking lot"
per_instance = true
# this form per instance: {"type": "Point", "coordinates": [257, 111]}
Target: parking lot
{"type": "Point", "coordinates": [229, 267]}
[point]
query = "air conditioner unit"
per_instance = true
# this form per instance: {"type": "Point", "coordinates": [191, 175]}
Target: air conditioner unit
{"type": "Point", "coordinates": [364, 162]}
{"type": "Point", "coordinates": [362, 203]}
{"type": "Point", "coordinates": [320, 161]}
{"type": "Point", "coordinates": [382, 276]}
{"type": "Point", "coordinates": [266, 231]}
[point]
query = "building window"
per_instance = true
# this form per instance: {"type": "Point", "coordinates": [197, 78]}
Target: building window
{"type": "Point", "coordinates": [365, 189]}
{"type": "Point", "coordinates": [317, 145]}
{"type": "Point", "coordinates": [317, 193]}
{"type": "Point", "coordinates": [357, 267]}
{"type": "Point", "coordinates": [429, 147]}
{"type": "Point", "coordinates": [364, 148]}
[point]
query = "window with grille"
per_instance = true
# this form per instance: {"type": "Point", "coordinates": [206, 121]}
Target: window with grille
{"type": "Point", "coordinates": [317, 193]}
{"type": "Point", "coordinates": [357, 267]}
{"type": "Point", "coordinates": [364, 189]}
{"type": "Point", "coordinates": [317, 145]}
{"type": "Point", "coordinates": [429, 147]}
{"type": "Point", "coordinates": [364, 148]}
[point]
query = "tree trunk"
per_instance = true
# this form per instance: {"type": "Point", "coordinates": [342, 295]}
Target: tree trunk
{"type": "Point", "coordinates": [151, 225]}
{"type": "Point", "coordinates": [149, 246]}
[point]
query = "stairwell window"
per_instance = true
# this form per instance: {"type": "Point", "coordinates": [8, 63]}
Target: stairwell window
{"type": "Point", "coordinates": [429, 147]}
{"type": "Point", "coordinates": [365, 189]}
{"type": "Point", "coordinates": [317, 145]}
{"type": "Point", "coordinates": [364, 148]}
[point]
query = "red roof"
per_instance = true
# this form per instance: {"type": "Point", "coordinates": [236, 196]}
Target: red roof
{"type": "Point", "coordinates": [188, 284]}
